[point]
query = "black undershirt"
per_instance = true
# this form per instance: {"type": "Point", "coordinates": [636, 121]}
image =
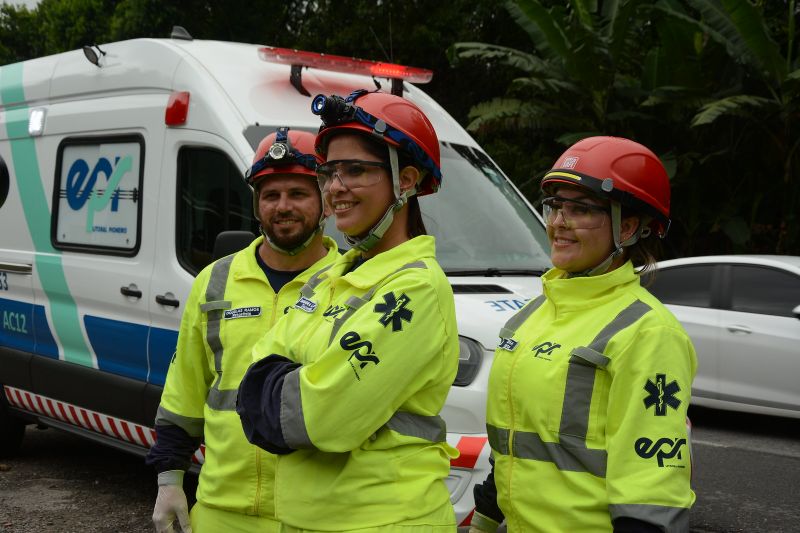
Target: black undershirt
{"type": "Point", "coordinates": [277, 278]}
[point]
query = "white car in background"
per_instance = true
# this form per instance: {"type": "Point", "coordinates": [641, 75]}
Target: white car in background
{"type": "Point", "coordinates": [743, 315]}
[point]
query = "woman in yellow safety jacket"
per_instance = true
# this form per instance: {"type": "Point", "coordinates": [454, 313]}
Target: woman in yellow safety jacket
{"type": "Point", "coordinates": [347, 388]}
{"type": "Point", "coordinates": [586, 411]}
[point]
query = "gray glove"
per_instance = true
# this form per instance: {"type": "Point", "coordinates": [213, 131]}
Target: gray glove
{"type": "Point", "coordinates": [171, 503]}
{"type": "Point", "coordinates": [482, 524]}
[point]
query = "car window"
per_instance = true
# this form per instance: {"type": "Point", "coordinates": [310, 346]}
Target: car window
{"type": "Point", "coordinates": [764, 290]}
{"type": "Point", "coordinates": [685, 285]}
{"type": "Point", "coordinates": [212, 197]}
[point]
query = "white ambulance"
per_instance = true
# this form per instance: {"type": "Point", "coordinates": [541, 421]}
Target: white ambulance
{"type": "Point", "coordinates": [120, 164]}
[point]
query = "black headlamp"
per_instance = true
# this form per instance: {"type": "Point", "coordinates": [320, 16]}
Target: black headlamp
{"type": "Point", "coordinates": [334, 109]}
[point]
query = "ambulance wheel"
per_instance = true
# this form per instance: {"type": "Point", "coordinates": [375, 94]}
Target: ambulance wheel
{"type": "Point", "coordinates": [12, 430]}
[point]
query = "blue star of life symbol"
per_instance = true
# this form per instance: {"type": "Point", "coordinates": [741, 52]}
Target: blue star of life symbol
{"type": "Point", "coordinates": [394, 311]}
{"type": "Point", "coordinates": [661, 394]}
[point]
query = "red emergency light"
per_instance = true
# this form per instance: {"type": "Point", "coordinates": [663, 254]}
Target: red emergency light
{"type": "Point", "coordinates": [351, 65]}
{"type": "Point", "coordinates": [177, 108]}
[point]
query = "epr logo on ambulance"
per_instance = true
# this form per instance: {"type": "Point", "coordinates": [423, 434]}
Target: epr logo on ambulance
{"type": "Point", "coordinates": [99, 194]}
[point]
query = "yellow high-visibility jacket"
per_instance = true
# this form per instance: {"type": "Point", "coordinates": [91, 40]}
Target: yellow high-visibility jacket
{"type": "Point", "coordinates": [586, 410]}
{"type": "Point", "coordinates": [368, 358]}
{"type": "Point", "coordinates": [230, 307]}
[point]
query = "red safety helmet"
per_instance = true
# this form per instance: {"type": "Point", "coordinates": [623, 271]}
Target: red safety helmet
{"type": "Point", "coordinates": [284, 152]}
{"type": "Point", "coordinates": [397, 121]}
{"type": "Point", "coordinates": [618, 169]}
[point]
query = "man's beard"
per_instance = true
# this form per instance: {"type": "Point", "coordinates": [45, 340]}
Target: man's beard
{"type": "Point", "coordinates": [291, 240]}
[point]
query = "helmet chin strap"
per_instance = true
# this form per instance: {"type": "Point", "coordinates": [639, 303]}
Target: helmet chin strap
{"type": "Point", "coordinates": [616, 225]}
{"type": "Point", "coordinates": [377, 231]}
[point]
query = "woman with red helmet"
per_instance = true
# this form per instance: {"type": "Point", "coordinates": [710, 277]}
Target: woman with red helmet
{"type": "Point", "coordinates": [348, 387]}
{"type": "Point", "coordinates": [586, 411]}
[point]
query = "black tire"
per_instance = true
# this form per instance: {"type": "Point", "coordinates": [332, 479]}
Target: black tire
{"type": "Point", "coordinates": [12, 431]}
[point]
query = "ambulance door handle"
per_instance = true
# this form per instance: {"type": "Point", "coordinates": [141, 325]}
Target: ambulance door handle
{"type": "Point", "coordinates": [131, 291]}
{"type": "Point", "coordinates": [167, 299]}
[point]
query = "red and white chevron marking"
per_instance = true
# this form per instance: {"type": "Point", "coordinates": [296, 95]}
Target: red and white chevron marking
{"type": "Point", "coordinates": [109, 426]}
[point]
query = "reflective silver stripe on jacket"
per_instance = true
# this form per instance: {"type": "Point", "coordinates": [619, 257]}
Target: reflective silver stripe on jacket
{"type": "Point", "coordinates": [293, 421]}
{"type": "Point", "coordinates": [430, 428]}
{"type": "Point", "coordinates": [308, 288]}
{"type": "Point", "coordinates": [571, 453]}
{"type": "Point", "coordinates": [192, 426]}
{"type": "Point", "coordinates": [221, 400]}
{"type": "Point", "coordinates": [510, 327]}
{"type": "Point", "coordinates": [671, 519]}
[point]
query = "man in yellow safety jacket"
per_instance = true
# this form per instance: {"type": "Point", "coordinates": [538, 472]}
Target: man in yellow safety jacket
{"type": "Point", "coordinates": [232, 303]}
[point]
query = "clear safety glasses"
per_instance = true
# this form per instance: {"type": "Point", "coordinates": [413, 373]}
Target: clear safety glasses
{"type": "Point", "coordinates": [574, 213]}
{"type": "Point", "coordinates": [351, 173]}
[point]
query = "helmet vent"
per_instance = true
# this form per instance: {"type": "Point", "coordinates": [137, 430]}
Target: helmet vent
{"type": "Point", "coordinates": [607, 185]}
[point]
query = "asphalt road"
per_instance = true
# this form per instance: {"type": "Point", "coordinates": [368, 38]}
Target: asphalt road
{"type": "Point", "coordinates": [746, 472]}
{"type": "Point", "coordinates": [746, 476]}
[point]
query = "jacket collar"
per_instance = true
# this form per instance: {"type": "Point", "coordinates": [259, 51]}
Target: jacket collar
{"type": "Point", "coordinates": [580, 293]}
{"type": "Point", "coordinates": [245, 265]}
{"type": "Point", "coordinates": [384, 264]}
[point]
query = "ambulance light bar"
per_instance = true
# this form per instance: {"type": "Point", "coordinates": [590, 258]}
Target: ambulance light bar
{"type": "Point", "coordinates": [288, 56]}
{"type": "Point", "coordinates": [299, 59]}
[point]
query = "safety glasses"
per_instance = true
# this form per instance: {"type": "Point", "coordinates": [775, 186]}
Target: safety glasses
{"type": "Point", "coordinates": [351, 173]}
{"type": "Point", "coordinates": [574, 213]}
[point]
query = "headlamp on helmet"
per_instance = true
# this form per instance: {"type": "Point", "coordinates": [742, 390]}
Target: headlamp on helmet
{"type": "Point", "coordinates": [281, 153]}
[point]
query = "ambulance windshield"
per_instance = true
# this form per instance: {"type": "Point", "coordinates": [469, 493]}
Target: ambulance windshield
{"type": "Point", "coordinates": [481, 223]}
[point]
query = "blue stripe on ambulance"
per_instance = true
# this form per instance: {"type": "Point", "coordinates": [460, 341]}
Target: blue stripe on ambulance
{"type": "Point", "coordinates": [161, 347]}
{"type": "Point", "coordinates": [25, 328]}
{"type": "Point", "coordinates": [63, 311]}
{"type": "Point", "coordinates": [118, 345]}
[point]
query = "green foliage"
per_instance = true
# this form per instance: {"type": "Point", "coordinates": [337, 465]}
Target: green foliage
{"type": "Point", "coordinates": [19, 36]}
{"type": "Point", "coordinates": [710, 85]}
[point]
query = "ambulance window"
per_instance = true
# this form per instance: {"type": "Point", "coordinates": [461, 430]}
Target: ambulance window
{"type": "Point", "coordinates": [212, 197]}
{"type": "Point", "coordinates": [97, 194]}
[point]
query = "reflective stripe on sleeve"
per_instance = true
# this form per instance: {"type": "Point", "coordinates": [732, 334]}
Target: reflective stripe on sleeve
{"type": "Point", "coordinates": [308, 288]}
{"type": "Point", "coordinates": [671, 519]}
{"type": "Point", "coordinates": [192, 426]}
{"type": "Point", "coordinates": [293, 422]}
{"type": "Point", "coordinates": [431, 428]}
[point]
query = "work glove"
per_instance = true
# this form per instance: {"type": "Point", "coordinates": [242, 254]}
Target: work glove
{"type": "Point", "coordinates": [482, 524]}
{"type": "Point", "coordinates": [171, 504]}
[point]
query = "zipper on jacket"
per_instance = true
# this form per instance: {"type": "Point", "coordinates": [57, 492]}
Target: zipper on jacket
{"type": "Point", "coordinates": [512, 426]}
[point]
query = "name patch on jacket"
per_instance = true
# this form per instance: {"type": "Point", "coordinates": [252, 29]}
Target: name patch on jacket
{"type": "Point", "coordinates": [242, 312]}
{"type": "Point", "coordinates": [507, 344]}
{"type": "Point", "coordinates": [304, 304]}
